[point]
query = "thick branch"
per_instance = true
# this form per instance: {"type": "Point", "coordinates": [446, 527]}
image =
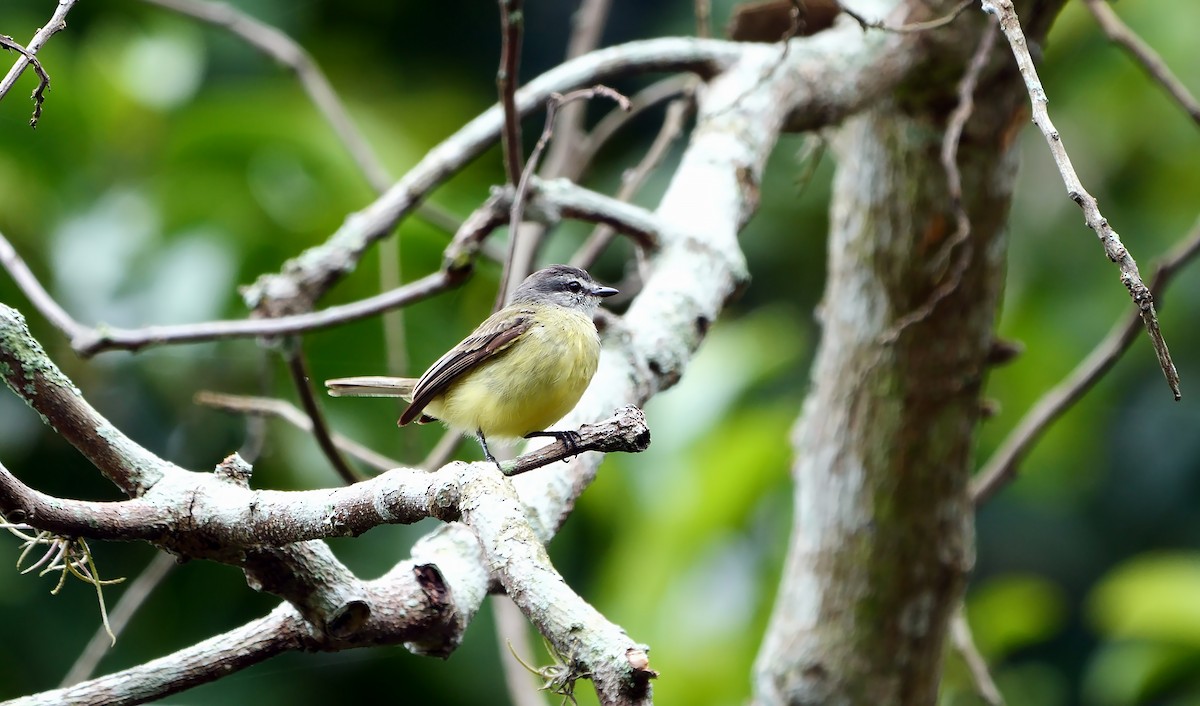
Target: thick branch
{"type": "Point", "coordinates": [208, 516]}
{"type": "Point", "coordinates": [33, 377]}
{"type": "Point", "coordinates": [413, 607]}
{"type": "Point", "coordinates": [590, 644]}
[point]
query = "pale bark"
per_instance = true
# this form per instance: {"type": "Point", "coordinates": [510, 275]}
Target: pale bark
{"type": "Point", "coordinates": [882, 540]}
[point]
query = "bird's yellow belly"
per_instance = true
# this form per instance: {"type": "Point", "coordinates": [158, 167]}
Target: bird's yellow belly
{"type": "Point", "coordinates": [529, 386]}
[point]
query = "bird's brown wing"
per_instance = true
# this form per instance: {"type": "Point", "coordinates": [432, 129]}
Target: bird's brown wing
{"type": "Point", "coordinates": [492, 337]}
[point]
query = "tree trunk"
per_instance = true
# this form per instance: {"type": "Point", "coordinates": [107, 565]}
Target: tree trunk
{"type": "Point", "coordinates": [882, 540]}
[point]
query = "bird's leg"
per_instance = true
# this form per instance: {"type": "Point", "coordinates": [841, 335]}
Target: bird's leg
{"type": "Point", "coordinates": [487, 453]}
{"type": "Point", "coordinates": [570, 439]}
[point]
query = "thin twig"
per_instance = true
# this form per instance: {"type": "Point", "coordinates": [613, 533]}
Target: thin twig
{"type": "Point", "coordinates": [282, 48]}
{"type": "Point", "coordinates": [442, 451]}
{"type": "Point", "coordinates": [587, 26]}
{"type": "Point", "coordinates": [959, 240]}
{"type": "Point", "coordinates": [58, 21]}
{"type": "Point", "coordinates": [39, 93]}
{"type": "Point", "coordinates": [1113, 248]}
{"type": "Point", "coordinates": [512, 23]}
{"type": "Point", "coordinates": [269, 406]}
{"type": "Point", "coordinates": [633, 179]}
{"type": "Point", "coordinates": [285, 50]}
{"type": "Point", "coordinates": [320, 430]}
{"type": "Point", "coordinates": [645, 99]}
{"type": "Point", "coordinates": [1144, 55]}
{"type": "Point", "coordinates": [913, 26]}
{"type": "Point", "coordinates": [1002, 466]}
{"type": "Point", "coordinates": [87, 341]}
{"type": "Point", "coordinates": [563, 155]}
{"type": "Point", "coordinates": [964, 642]}
{"type": "Point", "coordinates": [28, 283]}
{"type": "Point", "coordinates": [131, 600]}
{"type": "Point", "coordinates": [703, 11]}
{"type": "Point", "coordinates": [557, 100]}
{"type": "Point", "coordinates": [512, 632]}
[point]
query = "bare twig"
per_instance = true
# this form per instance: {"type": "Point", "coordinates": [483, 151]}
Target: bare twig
{"type": "Point", "coordinates": [1002, 466]}
{"type": "Point", "coordinates": [28, 283]}
{"type": "Point", "coordinates": [131, 600]}
{"type": "Point", "coordinates": [513, 634]}
{"type": "Point", "coordinates": [1113, 248]}
{"type": "Point", "coordinates": [285, 50]}
{"type": "Point", "coordinates": [269, 406]}
{"type": "Point", "coordinates": [703, 10]}
{"type": "Point", "coordinates": [910, 27]}
{"type": "Point", "coordinates": [88, 341]}
{"type": "Point", "coordinates": [633, 179]}
{"type": "Point", "coordinates": [442, 451]}
{"type": "Point", "coordinates": [556, 101]}
{"type": "Point", "coordinates": [1144, 55]}
{"type": "Point", "coordinates": [964, 642]}
{"type": "Point", "coordinates": [587, 25]}
{"type": "Point", "coordinates": [625, 431]}
{"type": "Point", "coordinates": [563, 155]}
{"type": "Point", "coordinates": [512, 23]}
{"type": "Point", "coordinates": [645, 99]}
{"type": "Point", "coordinates": [298, 368]}
{"type": "Point", "coordinates": [57, 22]}
{"type": "Point", "coordinates": [39, 93]}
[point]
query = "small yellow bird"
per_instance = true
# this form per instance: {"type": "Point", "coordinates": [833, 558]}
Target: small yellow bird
{"type": "Point", "coordinates": [520, 371]}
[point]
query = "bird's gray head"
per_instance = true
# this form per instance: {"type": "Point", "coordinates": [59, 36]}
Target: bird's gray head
{"type": "Point", "coordinates": [563, 285]}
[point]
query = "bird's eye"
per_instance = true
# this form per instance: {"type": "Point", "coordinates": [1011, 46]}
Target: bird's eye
{"type": "Point", "coordinates": [574, 287]}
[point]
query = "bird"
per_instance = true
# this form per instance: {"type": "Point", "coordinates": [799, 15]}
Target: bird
{"type": "Point", "coordinates": [521, 370]}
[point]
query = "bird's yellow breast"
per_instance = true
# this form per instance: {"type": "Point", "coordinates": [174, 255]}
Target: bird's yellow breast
{"type": "Point", "coordinates": [528, 386]}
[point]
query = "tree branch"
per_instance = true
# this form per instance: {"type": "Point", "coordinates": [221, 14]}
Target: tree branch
{"type": "Point", "coordinates": [58, 21]}
{"type": "Point", "coordinates": [298, 368]}
{"type": "Point", "coordinates": [34, 378]}
{"type": "Point", "coordinates": [218, 516]}
{"type": "Point", "coordinates": [1144, 55]}
{"type": "Point", "coordinates": [269, 406]}
{"type": "Point", "coordinates": [512, 25]}
{"type": "Point", "coordinates": [1002, 466]}
{"type": "Point", "coordinates": [556, 100]}
{"type": "Point", "coordinates": [305, 278]}
{"type": "Point", "coordinates": [1113, 248]}
{"type": "Point", "coordinates": [87, 341]}
{"type": "Point", "coordinates": [279, 46]}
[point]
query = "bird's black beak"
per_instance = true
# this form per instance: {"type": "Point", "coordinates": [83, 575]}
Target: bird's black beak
{"type": "Point", "coordinates": [602, 291]}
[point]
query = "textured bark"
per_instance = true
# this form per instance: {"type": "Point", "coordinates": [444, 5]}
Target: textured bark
{"type": "Point", "coordinates": [882, 540]}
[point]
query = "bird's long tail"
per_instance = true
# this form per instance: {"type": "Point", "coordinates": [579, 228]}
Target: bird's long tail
{"type": "Point", "coordinates": [371, 386]}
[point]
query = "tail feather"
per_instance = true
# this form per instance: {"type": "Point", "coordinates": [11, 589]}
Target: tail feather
{"type": "Point", "coordinates": [371, 386]}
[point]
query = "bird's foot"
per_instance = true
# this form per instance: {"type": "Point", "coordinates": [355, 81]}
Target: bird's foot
{"type": "Point", "coordinates": [570, 439]}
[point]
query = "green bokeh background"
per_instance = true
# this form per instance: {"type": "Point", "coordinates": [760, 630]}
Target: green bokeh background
{"type": "Point", "coordinates": [173, 163]}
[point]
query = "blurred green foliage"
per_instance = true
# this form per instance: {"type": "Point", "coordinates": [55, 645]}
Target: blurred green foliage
{"type": "Point", "coordinates": [173, 163]}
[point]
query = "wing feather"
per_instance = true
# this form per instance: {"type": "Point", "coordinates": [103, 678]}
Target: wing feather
{"type": "Point", "coordinates": [492, 337]}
